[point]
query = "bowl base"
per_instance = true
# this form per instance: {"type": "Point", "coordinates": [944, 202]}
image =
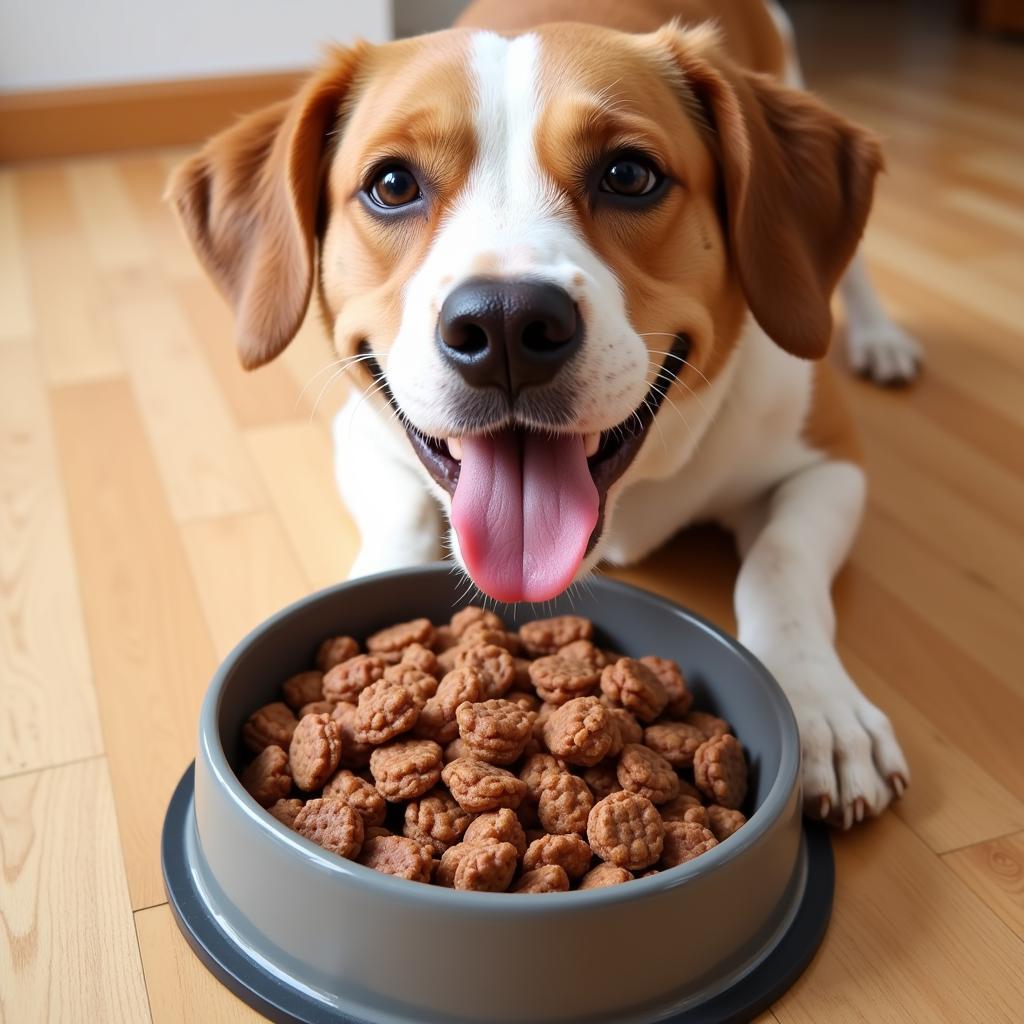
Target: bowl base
{"type": "Point", "coordinates": [272, 996]}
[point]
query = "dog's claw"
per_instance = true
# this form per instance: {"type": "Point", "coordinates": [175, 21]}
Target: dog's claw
{"type": "Point", "coordinates": [899, 784]}
{"type": "Point", "coordinates": [824, 807]}
{"type": "Point", "coordinates": [859, 809]}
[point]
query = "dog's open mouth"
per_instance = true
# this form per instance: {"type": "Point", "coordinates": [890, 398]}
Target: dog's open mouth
{"type": "Point", "coordinates": [528, 505]}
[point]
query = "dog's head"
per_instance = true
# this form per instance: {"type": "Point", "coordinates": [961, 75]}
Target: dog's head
{"type": "Point", "coordinates": [535, 239]}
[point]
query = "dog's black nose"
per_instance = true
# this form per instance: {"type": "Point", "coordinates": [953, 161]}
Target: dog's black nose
{"type": "Point", "coordinates": [508, 334]}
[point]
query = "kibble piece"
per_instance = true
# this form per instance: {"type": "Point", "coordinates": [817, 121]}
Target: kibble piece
{"type": "Point", "coordinates": [317, 707]}
{"type": "Point", "coordinates": [632, 685]}
{"type": "Point", "coordinates": [522, 680]}
{"type": "Point", "coordinates": [487, 867]}
{"type": "Point", "coordinates": [501, 826]}
{"type": "Point", "coordinates": [455, 750]}
{"type": "Point", "coordinates": [496, 667]}
{"type": "Point", "coordinates": [720, 770]}
{"type": "Point", "coordinates": [406, 769]}
{"type": "Point", "coordinates": [710, 725]}
{"type": "Point", "coordinates": [375, 832]}
{"type": "Point", "coordinates": [422, 658]}
{"type": "Point", "coordinates": [332, 824]}
{"type": "Point", "coordinates": [569, 852]}
{"type": "Point", "coordinates": [680, 699]}
{"type": "Point", "coordinates": [641, 770]}
{"type": "Point", "coordinates": [303, 688]}
{"type": "Point", "coordinates": [473, 615]}
{"type": "Point", "coordinates": [684, 808]}
{"type": "Point", "coordinates": [558, 679]}
{"type": "Point", "coordinates": [314, 752]}
{"type": "Point", "coordinates": [422, 684]}
{"type": "Point", "coordinates": [724, 821]}
{"type": "Point", "coordinates": [495, 730]}
{"type": "Point", "coordinates": [479, 786]}
{"type": "Point", "coordinates": [353, 753]}
{"type": "Point", "coordinates": [360, 795]}
{"type": "Point", "coordinates": [267, 778]}
{"type": "Point", "coordinates": [604, 875]}
{"type": "Point", "coordinates": [535, 772]}
{"type": "Point", "coordinates": [546, 636]}
{"type": "Point", "coordinates": [581, 732]}
{"type": "Point", "coordinates": [564, 805]}
{"type": "Point", "coordinates": [437, 719]}
{"type": "Point", "coordinates": [544, 712]}
{"type": "Point", "coordinates": [625, 829]}
{"type": "Point", "coordinates": [584, 650]}
{"type": "Point", "coordinates": [386, 710]}
{"type": "Point", "coordinates": [444, 871]}
{"type": "Point", "coordinates": [286, 810]}
{"type": "Point", "coordinates": [677, 742]}
{"type": "Point", "coordinates": [397, 638]}
{"type": "Point", "coordinates": [436, 820]}
{"type": "Point", "coordinates": [480, 634]}
{"type": "Point", "coordinates": [270, 725]}
{"type": "Point", "coordinates": [398, 856]}
{"type": "Point", "coordinates": [444, 639]}
{"type": "Point", "coordinates": [685, 840]}
{"type": "Point", "coordinates": [630, 729]}
{"type": "Point", "coordinates": [347, 680]}
{"type": "Point", "coordinates": [602, 780]}
{"type": "Point", "coordinates": [548, 878]}
{"type": "Point", "coordinates": [686, 789]}
{"type": "Point", "coordinates": [334, 650]}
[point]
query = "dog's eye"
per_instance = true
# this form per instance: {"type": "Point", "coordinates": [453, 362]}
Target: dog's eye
{"type": "Point", "coordinates": [630, 176]}
{"type": "Point", "coordinates": [394, 186]}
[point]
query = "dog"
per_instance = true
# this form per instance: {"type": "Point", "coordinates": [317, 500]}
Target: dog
{"type": "Point", "coordinates": [582, 256]}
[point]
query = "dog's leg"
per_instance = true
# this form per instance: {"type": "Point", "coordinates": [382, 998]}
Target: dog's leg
{"type": "Point", "coordinates": [792, 543]}
{"type": "Point", "coordinates": [398, 519]}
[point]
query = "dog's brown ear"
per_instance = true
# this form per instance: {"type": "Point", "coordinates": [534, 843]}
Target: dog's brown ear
{"type": "Point", "coordinates": [248, 202]}
{"type": "Point", "coordinates": [797, 180]}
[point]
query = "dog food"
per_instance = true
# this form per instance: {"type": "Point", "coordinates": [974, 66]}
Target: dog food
{"type": "Point", "coordinates": [473, 757]}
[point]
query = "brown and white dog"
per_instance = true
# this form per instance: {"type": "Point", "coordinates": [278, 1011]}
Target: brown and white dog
{"type": "Point", "coordinates": [588, 269]}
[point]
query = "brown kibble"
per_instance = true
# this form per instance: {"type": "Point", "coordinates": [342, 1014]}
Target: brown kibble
{"type": "Point", "coordinates": [494, 730]}
{"type": "Point", "coordinates": [406, 769]}
{"type": "Point", "coordinates": [581, 731]}
{"type": "Point", "coordinates": [501, 826]}
{"type": "Point", "coordinates": [422, 658]}
{"type": "Point", "coordinates": [375, 832]}
{"type": "Point", "coordinates": [496, 667]}
{"type": "Point", "coordinates": [436, 820]}
{"type": "Point", "coordinates": [604, 875]}
{"type": "Point", "coordinates": [473, 615]}
{"type": "Point", "coordinates": [437, 719]}
{"type": "Point", "coordinates": [641, 770]}
{"type": "Point", "coordinates": [303, 688]}
{"type": "Point", "coordinates": [584, 650]}
{"type": "Point", "coordinates": [444, 639]}
{"type": "Point", "coordinates": [724, 821]}
{"type": "Point", "coordinates": [625, 829]}
{"type": "Point", "coordinates": [602, 779]}
{"type": "Point", "coordinates": [422, 685]}
{"type": "Point", "coordinates": [332, 824]}
{"type": "Point", "coordinates": [334, 650]}
{"type": "Point", "coordinates": [559, 679]}
{"type": "Point", "coordinates": [358, 794]}
{"type": "Point", "coordinates": [314, 751]}
{"type": "Point", "coordinates": [569, 852]}
{"type": "Point", "coordinates": [547, 878]}
{"type": "Point", "coordinates": [632, 685]}
{"type": "Point", "coordinates": [346, 681]}
{"type": "Point", "coordinates": [630, 729]}
{"type": "Point", "coordinates": [685, 840]}
{"type": "Point", "coordinates": [684, 808]}
{"type": "Point", "coordinates": [677, 742]}
{"type": "Point", "coordinates": [479, 786]}
{"type": "Point", "coordinates": [538, 771]}
{"type": "Point", "coordinates": [353, 753]}
{"type": "Point", "coordinates": [386, 710]}
{"type": "Point", "coordinates": [317, 707]}
{"type": "Point", "coordinates": [398, 856]}
{"type": "Point", "coordinates": [479, 635]}
{"type": "Point", "coordinates": [522, 680]}
{"type": "Point", "coordinates": [720, 770]}
{"type": "Point", "coordinates": [710, 725]}
{"type": "Point", "coordinates": [544, 712]}
{"type": "Point", "coordinates": [486, 867]}
{"type": "Point", "coordinates": [454, 750]}
{"type": "Point", "coordinates": [286, 811]}
{"type": "Point", "coordinates": [564, 805]}
{"type": "Point", "coordinates": [527, 701]}
{"type": "Point", "coordinates": [397, 638]}
{"type": "Point", "coordinates": [546, 636]}
{"type": "Point", "coordinates": [267, 778]}
{"type": "Point", "coordinates": [679, 697]}
{"type": "Point", "coordinates": [270, 725]}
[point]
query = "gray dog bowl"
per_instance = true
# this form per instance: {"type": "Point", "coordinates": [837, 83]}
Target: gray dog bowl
{"type": "Point", "coordinates": [303, 935]}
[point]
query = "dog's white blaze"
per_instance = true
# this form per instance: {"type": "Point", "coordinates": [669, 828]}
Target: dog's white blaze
{"type": "Point", "coordinates": [511, 220]}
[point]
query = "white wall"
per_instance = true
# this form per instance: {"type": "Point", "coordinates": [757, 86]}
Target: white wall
{"type": "Point", "coordinates": [54, 44]}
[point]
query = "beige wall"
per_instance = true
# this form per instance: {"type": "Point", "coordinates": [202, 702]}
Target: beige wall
{"type": "Point", "coordinates": [415, 16]}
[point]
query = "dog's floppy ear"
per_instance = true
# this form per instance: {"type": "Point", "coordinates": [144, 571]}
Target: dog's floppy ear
{"type": "Point", "coordinates": [248, 202]}
{"type": "Point", "coordinates": [797, 180]}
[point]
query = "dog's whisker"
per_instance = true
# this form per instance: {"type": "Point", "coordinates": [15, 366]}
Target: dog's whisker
{"type": "Point", "coordinates": [343, 364]}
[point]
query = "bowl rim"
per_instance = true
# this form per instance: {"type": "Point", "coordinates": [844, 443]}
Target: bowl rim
{"type": "Point", "coordinates": [347, 871]}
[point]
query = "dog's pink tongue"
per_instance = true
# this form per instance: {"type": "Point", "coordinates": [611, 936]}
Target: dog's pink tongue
{"type": "Point", "coordinates": [524, 509]}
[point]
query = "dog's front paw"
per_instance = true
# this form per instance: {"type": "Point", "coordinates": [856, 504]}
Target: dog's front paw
{"type": "Point", "coordinates": [882, 351]}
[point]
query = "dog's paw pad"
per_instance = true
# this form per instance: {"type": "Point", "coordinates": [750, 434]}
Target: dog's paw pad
{"type": "Point", "coordinates": [884, 353]}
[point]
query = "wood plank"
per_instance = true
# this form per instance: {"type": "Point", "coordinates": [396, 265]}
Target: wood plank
{"type": "Point", "coordinates": [48, 711]}
{"type": "Point", "coordinates": [995, 872]}
{"type": "Point", "coordinates": [907, 942]}
{"type": "Point", "coordinates": [245, 570]}
{"type": "Point", "coordinates": [151, 651]}
{"type": "Point", "coordinates": [16, 317]}
{"type": "Point", "coordinates": [71, 311]}
{"type": "Point", "coordinates": [68, 950]}
{"type": "Point", "coordinates": [181, 989]}
{"type": "Point", "coordinates": [295, 463]}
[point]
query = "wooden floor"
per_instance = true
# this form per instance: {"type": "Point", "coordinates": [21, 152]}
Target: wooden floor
{"type": "Point", "coordinates": [155, 503]}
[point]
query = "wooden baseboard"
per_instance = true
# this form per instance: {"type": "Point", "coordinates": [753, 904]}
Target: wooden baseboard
{"type": "Point", "coordinates": [74, 122]}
